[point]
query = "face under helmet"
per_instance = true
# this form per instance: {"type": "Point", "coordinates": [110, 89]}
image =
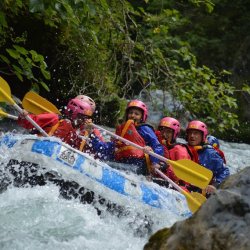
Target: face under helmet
{"type": "Point", "coordinates": [138, 104]}
{"type": "Point", "coordinates": [198, 125]}
{"type": "Point", "coordinates": [171, 123]}
{"type": "Point", "coordinates": [76, 106]}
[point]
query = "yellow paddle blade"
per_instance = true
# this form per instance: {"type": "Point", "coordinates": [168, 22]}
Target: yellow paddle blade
{"type": "Point", "coordinates": [194, 200]}
{"type": "Point", "coordinates": [5, 93]}
{"type": "Point", "coordinates": [2, 113]}
{"type": "Point", "coordinates": [200, 197]}
{"type": "Point", "coordinates": [36, 104]}
{"type": "Point", "coordinates": [192, 172]}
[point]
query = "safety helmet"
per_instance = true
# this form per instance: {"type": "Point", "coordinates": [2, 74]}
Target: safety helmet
{"type": "Point", "coordinates": [87, 99]}
{"type": "Point", "coordinates": [138, 104]}
{"type": "Point", "coordinates": [213, 141]}
{"type": "Point", "coordinates": [76, 106]}
{"type": "Point", "coordinates": [198, 125]}
{"type": "Point", "coordinates": [172, 123]}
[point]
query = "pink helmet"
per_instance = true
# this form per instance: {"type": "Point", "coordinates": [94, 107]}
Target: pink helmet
{"type": "Point", "coordinates": [87, 99]}
{"type": "Point", "coordinates": [138, 104]}
{"type": "Point", "coordinates": [198, 125]}
{"type": "Point", "coordinates": [172, 123]}
{"type": "Point", "coordinates": [76, 106]}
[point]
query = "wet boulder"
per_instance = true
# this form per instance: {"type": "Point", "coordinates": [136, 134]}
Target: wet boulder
{"type": "Point", "coordinates": [223, 222]}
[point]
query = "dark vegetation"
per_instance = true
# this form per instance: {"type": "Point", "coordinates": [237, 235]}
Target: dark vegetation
{"type": "Point", "coordinates": [111, 50]}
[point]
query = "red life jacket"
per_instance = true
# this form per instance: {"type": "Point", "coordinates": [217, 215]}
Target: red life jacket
{"type": "Point", "coordinates": [193, 152]}
{"type": "Point", "coordinates": [163, 143]}
{"type": "Point", "coordinates": [52, 125]}
{"type": "Point", "coordinates": [174, 152]}
{"type": "Point", "coordinates": [129, 132]}
{"type": "Point", "coordinates": [64, 130]}
{"type": "Point", "coordinates": [84, 146]}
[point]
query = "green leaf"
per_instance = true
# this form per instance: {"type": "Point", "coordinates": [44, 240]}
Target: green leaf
{"type": "Point", "coordinates": [3, 21]}
{"type": "Point", "coordinates": [46, 74]}
{"type": "Point", "coordinates": [246, 88]}
{"type": "Point", "coordinates": [35, 56]}
{"type": "Point", "coordinates": [21, 50]}
{"type": "Point", "coordinates": [13, 53]}
{"type": "Point", "coordinates": [18, 72]}
{"type": "Point", "coordinates": [45, 86]}
{"type": "Point", "coordinates": [5, 59]}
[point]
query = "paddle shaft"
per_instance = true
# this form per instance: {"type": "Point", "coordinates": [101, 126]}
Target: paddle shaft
{"type": "Point", "coordinates": [13, 117]}
{"type": "Point", "coordinates": [132, 144]}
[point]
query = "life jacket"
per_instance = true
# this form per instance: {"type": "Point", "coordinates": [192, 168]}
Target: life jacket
{"type": "Point", "coordinates": [122, 150]}
{"type": "Point", "coordinates": [63, 129]}
{"type": "Point", "coordinates": [84, 146]}
{"type": "Point", "coordinates": [170, 150]}
{"type": "Point", "coordinates": [193, 152]}
{"type": "Point", "coordinates": [175, 151]}
{"type": "Point", "coordinates": [163, 142]}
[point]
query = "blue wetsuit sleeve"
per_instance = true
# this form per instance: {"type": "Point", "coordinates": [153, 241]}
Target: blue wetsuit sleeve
{"type": "Point", "coordinates": [221, 171]}
{"type": "Point", "coordinates": [104, 150]}
{"type": "Point", "coordinates": [151, 140]}
{"type": "Point", "coordinates": [211, 159]}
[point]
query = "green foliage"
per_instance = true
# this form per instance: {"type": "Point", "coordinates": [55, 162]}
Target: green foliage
{"type": "Point", "coordinates": [24, 62]}
{"type": "Point", "coordinates": [112, 50]}
{"type": "Point", "coordinates": [18, 60]}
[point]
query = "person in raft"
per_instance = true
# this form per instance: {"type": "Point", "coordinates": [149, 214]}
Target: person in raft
{"type": "Point", "coordinates": [205, 155]}
{"type": "Point", "coordinates": [64, 127]}
{"type": "Point", "coordinates": [168, 131]}
{"type": "Point", "coordinates": [136, 130]}
{"type": "Point", "coordinates": [84, 134]}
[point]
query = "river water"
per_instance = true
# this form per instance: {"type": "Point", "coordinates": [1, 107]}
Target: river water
{"type": "Point", "coordinates": [38, 218]}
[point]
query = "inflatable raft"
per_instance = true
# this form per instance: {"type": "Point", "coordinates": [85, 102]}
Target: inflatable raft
{"type": "Point", "coordinates": [37, 161]}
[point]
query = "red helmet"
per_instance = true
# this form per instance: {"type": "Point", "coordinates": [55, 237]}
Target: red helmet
{"type": "Point", "coordinates": [198, 125]}
{"type": "Point", "coordinates": [76, 106]}
{"type": "Point", "coordinates": [141, 105]}
{"type": "Point", "coordinates": [172, 123]}
{"type": "Point", "coordinates": [87, 99]}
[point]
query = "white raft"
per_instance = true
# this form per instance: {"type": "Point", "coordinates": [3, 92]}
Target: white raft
{"type": "Point", "coordinates": [113, 185]}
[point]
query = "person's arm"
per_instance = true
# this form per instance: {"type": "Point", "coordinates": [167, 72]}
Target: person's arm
{"type": "Point", "coordinates": [151, 140]}
{"type": "Point", "coordinates": [104, 150]}
{"type": "Point", "coordinates": [221, 171]}
{"type": "Point", "coordinates": [213, 161]}
{"type": "Point", "coordinates": [43, 120]}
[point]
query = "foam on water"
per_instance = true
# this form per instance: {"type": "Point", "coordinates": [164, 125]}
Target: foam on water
{"type": "Point", "coordinates": [38, 218]}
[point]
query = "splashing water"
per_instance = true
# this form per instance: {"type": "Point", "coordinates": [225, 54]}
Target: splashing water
{"type": "Point", "coordinates": [38, 218]}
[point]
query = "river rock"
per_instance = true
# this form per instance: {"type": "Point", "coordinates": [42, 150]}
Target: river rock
{"type": "Point", "coordinates": [223, 222]}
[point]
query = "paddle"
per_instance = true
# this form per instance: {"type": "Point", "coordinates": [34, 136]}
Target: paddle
{"type": "Point", "coordinates": [194, 199]}
{"type": "Point", "coordinates": [5, 95]}
{"type": "Point", "coordinates": [36, 104]}
{"type": "Point", "coordinates": [2, 113]}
